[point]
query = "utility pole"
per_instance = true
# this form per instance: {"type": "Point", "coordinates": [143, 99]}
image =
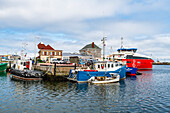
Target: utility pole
{"type": "Point", "coordinates": [103, 40]}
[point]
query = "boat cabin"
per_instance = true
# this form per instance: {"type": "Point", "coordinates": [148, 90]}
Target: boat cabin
{"type": "Point", "coordinates": [107, 66]}
{"type": "Point", "coordinates": [21, 64]}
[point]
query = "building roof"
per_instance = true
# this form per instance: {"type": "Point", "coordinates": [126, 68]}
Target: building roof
{"type": "Point", "coordinates": [92, 45]}
{"type": "Point", "coordinates": [42, 46]}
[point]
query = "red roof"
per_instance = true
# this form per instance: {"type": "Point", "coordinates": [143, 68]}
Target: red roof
{"type": "Point", "coordinates": [42, 46]}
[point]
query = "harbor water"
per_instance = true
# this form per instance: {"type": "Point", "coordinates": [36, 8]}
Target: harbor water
{"type": "Point", "coordinates": [149, 92]}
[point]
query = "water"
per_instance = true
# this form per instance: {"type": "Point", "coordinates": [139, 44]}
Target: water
{"type": "Point", "coordinates": [150, 92]}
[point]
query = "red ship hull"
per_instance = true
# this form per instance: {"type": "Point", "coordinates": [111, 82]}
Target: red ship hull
{"type": "Point", "coordinates": [140, 64]}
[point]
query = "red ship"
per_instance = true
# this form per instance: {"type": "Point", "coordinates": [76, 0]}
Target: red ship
{"type": "Point", "coordinates": [132, 58]}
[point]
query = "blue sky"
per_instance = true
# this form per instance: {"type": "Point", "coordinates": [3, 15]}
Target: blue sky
{"type": "Point", "coordinates": [69, 25]}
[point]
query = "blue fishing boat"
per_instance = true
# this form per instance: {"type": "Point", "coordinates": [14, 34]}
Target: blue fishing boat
{"type": "Point", "coordinates": [101, 69]}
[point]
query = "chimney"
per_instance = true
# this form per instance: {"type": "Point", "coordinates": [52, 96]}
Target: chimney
{"type": "Point", "coordinates": [92, 44]}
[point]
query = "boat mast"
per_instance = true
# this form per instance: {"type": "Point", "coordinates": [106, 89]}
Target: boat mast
{"type": "Point", "coordinates": [35, 51]}
{"type": "Point", "coordinates": [103, 41]}
{"type": "Point", "coordinates": [23, 54]}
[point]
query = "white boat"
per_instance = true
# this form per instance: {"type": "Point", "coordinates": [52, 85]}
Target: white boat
{"type": "Point", "coordinates": [105, 79]}
{"type": "Point", "coordinates": [132, 59]}
{"type": "Point", "coordinates": [21, 70]}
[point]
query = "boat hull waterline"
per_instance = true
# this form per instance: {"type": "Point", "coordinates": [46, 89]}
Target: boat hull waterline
{"type": "Point", "coordinates": [25, 79]}
{"type": "Point", "coordinates": [106, 80]}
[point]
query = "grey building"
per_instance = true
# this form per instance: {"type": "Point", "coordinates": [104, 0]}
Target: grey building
{"type": "Point", "coordinates": [91, 49]}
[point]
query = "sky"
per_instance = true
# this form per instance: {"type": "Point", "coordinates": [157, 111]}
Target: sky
{"type": "Point", "coordinates": [69, 25]}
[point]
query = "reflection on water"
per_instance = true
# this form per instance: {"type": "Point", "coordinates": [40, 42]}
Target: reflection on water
{"type": "Point", "coordinates": [149, 92]}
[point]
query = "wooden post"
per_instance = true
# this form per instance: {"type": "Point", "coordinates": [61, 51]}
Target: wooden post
{"type": "Point", "coordinates": [75, 66]}
{"type": "Point", "coordinates": [54, 68]}
{"type": "Point", "coordinates": [10, 64]}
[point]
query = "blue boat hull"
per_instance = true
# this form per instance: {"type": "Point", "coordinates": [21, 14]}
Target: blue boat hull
{"type": "Point", "coordinates": [83, 76]}
{"type": "Point", "coordinates": [131, 71]}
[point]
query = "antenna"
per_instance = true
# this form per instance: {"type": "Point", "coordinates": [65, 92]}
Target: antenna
{"type": "Point", "coordinates": [103, 40]}
{"type": "Point", "coordinates": [103, 24]}
{"type": "Point", "coordinates": [111, 50]}
{"type": "Point", "coordinates": [121, 42]}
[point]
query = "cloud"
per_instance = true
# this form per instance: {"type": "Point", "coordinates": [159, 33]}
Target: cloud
{"type": "Point", "coordinates": [71, 24]}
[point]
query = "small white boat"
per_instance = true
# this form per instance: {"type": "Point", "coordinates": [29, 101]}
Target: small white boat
{"type": "Point", "coordinates": [102, 80]}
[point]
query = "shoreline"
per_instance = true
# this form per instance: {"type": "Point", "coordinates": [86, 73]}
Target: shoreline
{"type": "Point", "coordinates": [162, 63]}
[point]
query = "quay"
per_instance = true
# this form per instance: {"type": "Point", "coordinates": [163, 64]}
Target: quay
{"type": "Point", "coordinates": [54, 72]}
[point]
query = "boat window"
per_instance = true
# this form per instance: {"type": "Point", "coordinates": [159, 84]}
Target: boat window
{"type": "Point", "coordinates": [24, 63]}
{"type": "Point", "coordinates": [138, 62]}
{"type": "Point", "coordinates": [102, 66]}
{"type": "Point", "coordinates": [128, 61]}
{"type": "Point", "coordinates": [21, 63]}
{"type": "Point", "coordinates": [105, 65]}
{"type": "Point", "coordinates": [116, 65]}
{"type": "Point", "coordinates": [108, 65]}
{"type": "Point", "coordinates": [98, 66]}
{"type": "Point", "coordinates": [112, 65]}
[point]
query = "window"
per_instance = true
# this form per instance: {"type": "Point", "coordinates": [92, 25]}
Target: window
{"type": "Point", "coordinates": [102, 66]}
{"type": "Point", "coordinates": [55, 53]}
{"type": "Point", "coordinates": [98, 66]}
{"type": "Point", "coordinates": [108, 65]}
{"type": "Point", "coordinates": [112, 65]}
{"type": "Point", "coordinates": [59, 53]}
{"type": "Point", "coordinates": [128, 61]}
{"type": "Point", "coordinates": [51, 53]}
{"type": "Point", "coordinates": [43, 53]}
{"type": "Point", "coordinates": [116, 65]}
{"type": "Point", "coordinates": [47, 52]}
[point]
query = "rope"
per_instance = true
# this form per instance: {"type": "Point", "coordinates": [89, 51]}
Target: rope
{"type": "Point", "coordinates": [47, 71]}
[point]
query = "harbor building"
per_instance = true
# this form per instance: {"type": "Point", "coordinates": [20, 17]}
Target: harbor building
{"type": "Point", "coordinates": [47, 52]}
{"type": "Point", "coordinates": [76, 58]}
{"type": "Point", "coordinates": [91, 49]}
